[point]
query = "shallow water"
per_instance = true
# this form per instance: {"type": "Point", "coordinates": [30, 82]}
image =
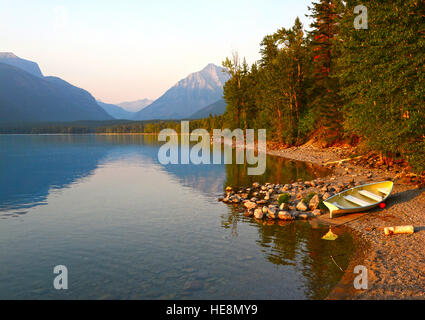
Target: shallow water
{"type": "Point", "coordinates": [127, 227]}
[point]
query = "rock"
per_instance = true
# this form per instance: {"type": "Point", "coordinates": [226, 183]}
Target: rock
{"type": "Point", "coordinates": [255, 185]}
{"type": "Point", "coordinates": [284, 207]}
{"type": "Point", "coordinates": [262, 202]}
{"type": "Point", "coordinates": [271, 213]}
{"type": "Point", "coordinates": [258, 214]}
{"type": "Point", "coordinates": [299, 196]}
{"type": "Point", "coordinates": [314, 202]}
{"type": "Point", "coordinates": [316, 213]}
{"type": "Point", "coordinates": [337, 189]}
{"type": "Point", "coordinates": [326, 196]}
{"type": "Point", "coordinates": [301, 206]}
{"type": "Point", "coordinates": [295, 214]}
{"type": "Point", "coordinates": [286, 216]}
{"type": "Point", "coordinates": [229, 189]}
{"type": "Point", "coordinates": [250, 205]}
{"type": "Point", "coordinates": [236, 200]}
{"type": "Point", "coordinates": [267, 197]}
{"type": "Point", "coordinates": [324, 189]}
{"type": "Point", "coordinates": [220, 199]}
{"type": "Point", "coordinates": [249, 213]}
{"type": "Point", "coordinates": [304, 216]}
{"type": "Point", "coordinates": [265, 210]}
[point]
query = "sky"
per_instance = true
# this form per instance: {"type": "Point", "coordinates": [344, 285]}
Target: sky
{"type": "Point", "coordinates": [133, 49]}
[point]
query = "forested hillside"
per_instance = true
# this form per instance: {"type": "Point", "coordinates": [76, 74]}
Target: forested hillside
{"type": "Point", "coordinates": [338, 82]}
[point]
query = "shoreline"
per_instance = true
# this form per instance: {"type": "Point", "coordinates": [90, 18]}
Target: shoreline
{"type": "Point", "coordinates": [396, 264]}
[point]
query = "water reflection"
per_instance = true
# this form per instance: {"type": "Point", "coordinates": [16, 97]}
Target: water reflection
{"type": "Point", "coordinates": [299, 244]}
{"type": "Point", "coordinates": [31, 166]}
{"type": "Point", "coordinates": [156, 231]}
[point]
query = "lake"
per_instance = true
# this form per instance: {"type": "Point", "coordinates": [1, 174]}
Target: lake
{"type": "Point", "coordinates": [127, 227]}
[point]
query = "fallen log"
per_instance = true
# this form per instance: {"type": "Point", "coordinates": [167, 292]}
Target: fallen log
{"type": "Point", "coordinates": [399, 230]}
{"type": "Point", "coordinates": [343, 160]}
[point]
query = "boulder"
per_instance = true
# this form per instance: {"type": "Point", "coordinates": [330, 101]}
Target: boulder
{"type": "Point", "coordinates": [304, 216]}
{"type": "Point", "coordinates": [272, 213]}
{"type": "Point", "coordinates": [326, 196]}
{"type": "Point", "coordinates": [316, 213]}
{"type": "Point", "coordinates": [258, 214]}
{"type": "Point", "coordinates": [250, 205]}
{"type": "Point", "coordinates": [249, 213]}
{"type": "Point", "coordinates": [301, 206]}
{"type": "Point", "coordinates": [284, 207]}
{"type": "Point", "coordinates": [286, 216]}
{"type": "Point", "coordinates": [314, 202]}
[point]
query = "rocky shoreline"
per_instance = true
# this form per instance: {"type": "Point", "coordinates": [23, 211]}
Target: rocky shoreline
{"type": "Point", "coordinates": [299, 200]}
{"type": "Point", "coordinates": [396, 265]}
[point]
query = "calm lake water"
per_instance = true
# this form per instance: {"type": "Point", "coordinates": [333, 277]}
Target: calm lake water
{"type": "Point", "coordinates": [127, 227]}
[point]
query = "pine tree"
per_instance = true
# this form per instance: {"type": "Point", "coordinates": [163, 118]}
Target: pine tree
{"type": "Point", "coordinates": [382, 71]}
{"type": "Point", "coordinates": [324, 94]}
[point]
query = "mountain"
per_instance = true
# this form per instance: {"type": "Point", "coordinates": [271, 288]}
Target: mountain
{"type": "Point", "coordinates": [216, 109]}
{"type": "Point", "coordinates": [25, 96]}
{"type": "Point", "coordinates": [135, 106]}
{"type": "Point", "coordinates": [28, 66]}
{"type": "Point", "coordinates": [188, 96]}
{"type": "Point", "coordinates": [116, 111]}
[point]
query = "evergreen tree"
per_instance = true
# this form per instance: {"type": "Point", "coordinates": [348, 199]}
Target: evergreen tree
{"type": "Point", "coordinates": [382, 70]}
{"type": "Point", "coordinates": [324, 93]}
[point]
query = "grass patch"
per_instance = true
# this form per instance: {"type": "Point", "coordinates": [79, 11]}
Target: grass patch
{"type": "Point", "coordinates": [284, 198]}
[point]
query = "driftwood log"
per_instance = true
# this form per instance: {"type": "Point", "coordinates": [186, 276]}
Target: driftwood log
{"type": "Point", "coordinates": [399, 230]}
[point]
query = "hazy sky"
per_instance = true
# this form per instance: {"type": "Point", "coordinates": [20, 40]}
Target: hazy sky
{"type": "Point", "coordinates": [125, 50]}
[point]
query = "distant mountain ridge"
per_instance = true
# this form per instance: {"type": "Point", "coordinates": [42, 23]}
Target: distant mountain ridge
{"type": "Point", "coordinates": [116, 111]}
{"type": "Point", "coordinates": [26, 65]}
{"type": "Point", "coordinates": [135, 106]}
{"type": "Point", "coordinates": [188, 96]}
{"type": "Point", "coordinates": [25, 95]}
{"type": "Point", "coordinates": [215, 109]}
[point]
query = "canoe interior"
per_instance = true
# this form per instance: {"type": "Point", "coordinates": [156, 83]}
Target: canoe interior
{"type": "Point", "coordinates": [360, 198]}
